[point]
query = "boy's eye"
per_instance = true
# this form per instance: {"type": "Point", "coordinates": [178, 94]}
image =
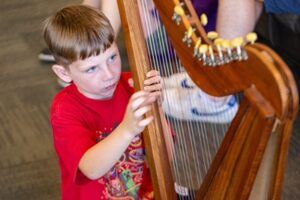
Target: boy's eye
{"type": "Point", "coordinates": [112, 58]}
{"type": "Point", "coordinates": [91, 69]}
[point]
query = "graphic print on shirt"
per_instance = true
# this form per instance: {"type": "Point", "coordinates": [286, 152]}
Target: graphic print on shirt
{"type": "Point", "coordinates": [124, 179]}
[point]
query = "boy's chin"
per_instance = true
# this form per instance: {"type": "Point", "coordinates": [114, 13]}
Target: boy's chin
{"type": "Point", "coordinates": [107, 95]}
{"type": "Point", "coordinates": [100, 95]}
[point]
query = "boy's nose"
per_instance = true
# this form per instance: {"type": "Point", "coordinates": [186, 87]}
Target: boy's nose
{"type": "Point", "coordinates": [108, 72]}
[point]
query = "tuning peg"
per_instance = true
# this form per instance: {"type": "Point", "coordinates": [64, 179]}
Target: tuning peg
{"type": "Point", "coordinates": [240, 54]}
{"type": "Point", "coordinates": [237, 43]}
{"type": "Point", "coordinates": [203, 50]}
{"type": "Point", "coordinates": [212, 35]}
{"type": "Point", "coordinates": [178, 13]}
{"type": "Point", "coordinates": [179, 10]}
{"type": "Point", "coordinates": [196, 48]}
{"type": "Point", "coordinates": [226, 45]}
{"type": "Point", "coordinates": [187, 36]}
{"type": "Point", "coordinates": [218, 44]}
{"type": "Point", "coordinates": [218, 41]}
{"type": "Point", "coordinates": [212, 59]}
{"type": "Point", "coordinates": [251, 37]}
{"type": "Point", "coordinates": [203, 19]}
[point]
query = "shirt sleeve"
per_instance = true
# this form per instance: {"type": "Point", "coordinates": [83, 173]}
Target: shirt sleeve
{"type": "Point", "coordinates": [280, 6]}
{"type": "Point", "coordinates": [127, 82]}
{"type": "Point", "coordinates": [71, 141]}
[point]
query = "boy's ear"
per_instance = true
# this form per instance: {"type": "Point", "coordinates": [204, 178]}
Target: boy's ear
{"type": "Point", "coordinates": [62, 73]}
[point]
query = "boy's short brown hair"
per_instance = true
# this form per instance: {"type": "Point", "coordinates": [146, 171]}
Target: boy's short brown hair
{"type": "Point", "coordinates": [77, 32]}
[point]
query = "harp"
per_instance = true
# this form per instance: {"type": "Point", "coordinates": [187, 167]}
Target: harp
{"type": "Point", "coordinates": [248, 162]}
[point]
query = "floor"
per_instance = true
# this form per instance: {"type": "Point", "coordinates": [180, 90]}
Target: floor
{"type": "Point", "coordinates": [28, 165]}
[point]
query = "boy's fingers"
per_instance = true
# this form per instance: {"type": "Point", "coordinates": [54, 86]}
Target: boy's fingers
{"type": "Point", "coordinates": [152, 73]}
{"type": "Point", "coordinates": [142, 101]}
{"type": "Point", "coordinates": [152, 80]}
{"type": "Point", "coordinates": [138, 94]}
{"type": "Point", "coordinates": [151, 88]}
{"type": "Point", "coordinates": [137, 102]}
{"type": "Point", "coordinates": [156, 94]}
{"type": "Point", "coordinates": [150, 100]}
{"type": "Point", "coordinates": [146, 121]}
{"type": "Point", "coordinates": [141, 111]}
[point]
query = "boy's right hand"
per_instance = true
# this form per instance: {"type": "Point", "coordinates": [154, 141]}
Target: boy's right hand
{"type": "Point", "coordinates": [134, 121]}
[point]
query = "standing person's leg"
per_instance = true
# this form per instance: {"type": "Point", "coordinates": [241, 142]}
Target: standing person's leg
{"type": "Point", "coordinates": [111, 11]}
{"type": "Point", "coordinates": [93, 3]}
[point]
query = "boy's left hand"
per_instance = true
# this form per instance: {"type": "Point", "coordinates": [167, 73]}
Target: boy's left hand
{"type": "Point", "coordinates": [153, 83]}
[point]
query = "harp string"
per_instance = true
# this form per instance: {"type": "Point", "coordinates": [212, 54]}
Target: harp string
{"type": "Point", "coordinates": [195, 142]}
{"type": "Point", "coordinates": [166, 61]}
{"type": "Point", "coordinates": [158, 60]}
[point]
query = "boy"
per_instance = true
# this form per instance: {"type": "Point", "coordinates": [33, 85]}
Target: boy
{"type": "Point", "coordinates": [97, 120]}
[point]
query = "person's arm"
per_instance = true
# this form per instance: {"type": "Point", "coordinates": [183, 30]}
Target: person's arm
{"type": "Point", "coordinates": [93, 3]}
{"type": "Point", "coordinates": [101, 157]}
{"type": "Point", "coordinates": [110, 9]}
{"type": "Point", "coordinates": [237, 17]}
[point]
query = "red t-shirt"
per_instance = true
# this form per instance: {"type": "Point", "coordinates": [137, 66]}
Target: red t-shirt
{"type": "Point", "coordinates": [79, 123]}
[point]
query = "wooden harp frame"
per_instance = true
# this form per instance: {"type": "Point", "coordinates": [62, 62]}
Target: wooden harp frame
{"type": "Point", "coordinates": [241, 160]}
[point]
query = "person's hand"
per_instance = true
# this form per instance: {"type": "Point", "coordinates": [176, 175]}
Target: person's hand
{"type": "Point", "coordinates": [134, 121]}
{"type": "Point", "coordinates": [153, 84]}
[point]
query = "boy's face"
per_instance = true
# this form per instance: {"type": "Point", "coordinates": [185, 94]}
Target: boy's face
{"type": "Point", "coordinates": [96, 77]}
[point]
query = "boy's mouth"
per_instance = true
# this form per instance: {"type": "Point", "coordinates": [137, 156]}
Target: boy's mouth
{"type": "Point", "coordinates": [110, 87]}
